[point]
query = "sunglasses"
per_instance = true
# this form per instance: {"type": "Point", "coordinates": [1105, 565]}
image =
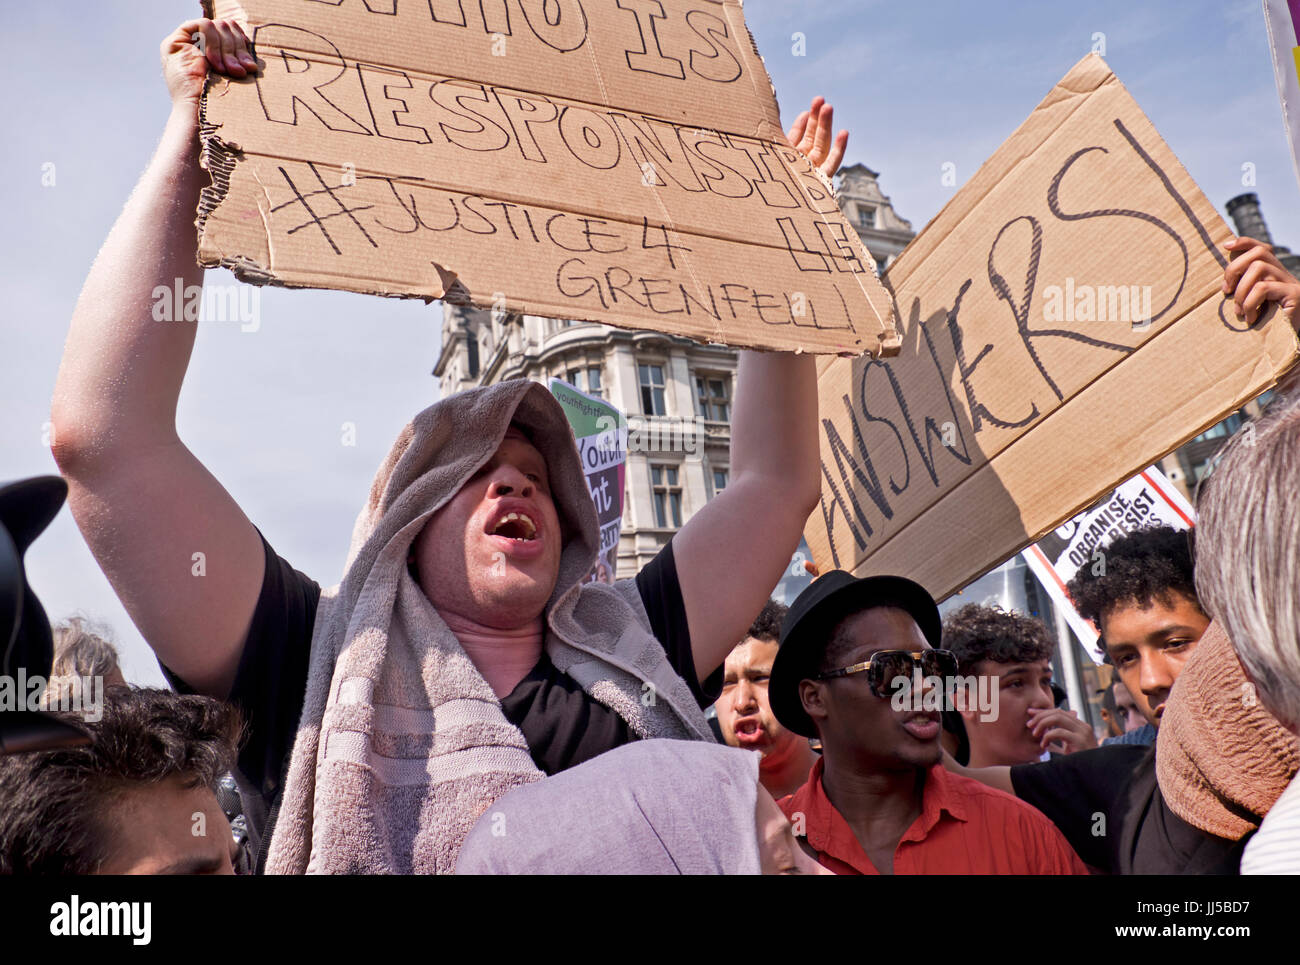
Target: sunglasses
{"type": "Point", "coordinates": [886, 666]}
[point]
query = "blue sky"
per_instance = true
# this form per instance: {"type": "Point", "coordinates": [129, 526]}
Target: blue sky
{"type": "Point", "coordinates": [917, 84]}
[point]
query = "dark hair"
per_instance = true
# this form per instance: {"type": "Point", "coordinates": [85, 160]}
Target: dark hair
{"type": "Point", "coordinates": [767, 625]}
{"type": "Point", "coordinates": [837, 646]}
{"type": "Point", "coordinates": [977, 633]}
{"type": "Point", "coordinates": [54, 804]}
{"type": "Point", "coordinates": [1141, 568]}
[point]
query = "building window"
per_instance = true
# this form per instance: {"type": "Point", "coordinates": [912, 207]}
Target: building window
{"type": "Point", "coordinates": [866, 217]}
{"type": "Point", "coordinates": [471, 356]}
{"type": "Point", "coordinates": [712, 398]}
{"type": "Point", "coordinates": [719, 480]}
{"type": "Point", "coordinates": [881, 265]}
{"type": "Point", "coordinates": [667, 496]}
{"type": "Point", "coordinates": [652, 389]}
{"type": "Point", "coordinates": [587, 379]}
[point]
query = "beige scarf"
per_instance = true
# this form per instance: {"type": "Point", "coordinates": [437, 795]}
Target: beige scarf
{"type": "Point", "coordinates": [402, 744]}
{"type": "Point", "coordinates": [1221, 758]}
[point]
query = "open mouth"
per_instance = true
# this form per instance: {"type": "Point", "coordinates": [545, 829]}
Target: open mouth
{"type": "Point", "coordinates": [923, 726]}
{"type": "Point", "coordinates": [517, 526]}
{"type": "Point", "coordinates": [750, 733]}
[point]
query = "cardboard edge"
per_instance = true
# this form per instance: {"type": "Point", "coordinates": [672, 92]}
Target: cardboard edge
{"type": "Point", "coordinates": [1214, 225]}
{"type": "Point", "coordinates": [756, 66]}
{"type": "Point", "coordinates": [219, 159]}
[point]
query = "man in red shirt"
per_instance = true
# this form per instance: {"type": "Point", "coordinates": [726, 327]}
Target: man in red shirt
{"type": "Point", "coordinates": [879, 801]}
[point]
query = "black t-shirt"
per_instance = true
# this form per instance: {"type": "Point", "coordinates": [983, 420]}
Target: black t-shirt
{"type": "Point", "coordinates": [1107, 803]}
{"type": "Point", "coordinates": [561, 722]}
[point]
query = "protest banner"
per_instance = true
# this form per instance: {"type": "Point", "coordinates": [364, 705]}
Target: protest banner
{"type": "Point", "coordinates": [1282, 21]}
{"type": "Point", "coordinates": [621, 163]}
{"type": "Point", "coordinates": [1142, 502]}
{"type": "Point", "coordinates": [600, 430]}
{"type": "Point", "coordinates": [1063, 327]}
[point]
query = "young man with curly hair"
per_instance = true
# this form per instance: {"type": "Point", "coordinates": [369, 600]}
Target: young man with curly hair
{"type": "Point", "coordinates": [1016, 651]}
{"type": "Point", "coordinates": [1141, 595]}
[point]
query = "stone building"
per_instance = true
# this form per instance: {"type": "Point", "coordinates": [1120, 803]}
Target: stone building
{"type": "Point", "coordinates": [677, 393]}
{"type": "Point", "coordinates": [1248, 219]}
{"type": "Point", "coordinates": [883, 232]}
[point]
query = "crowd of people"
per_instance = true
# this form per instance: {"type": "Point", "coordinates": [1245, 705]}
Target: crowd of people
{"type": "Point", "coordinates": [464, 700]}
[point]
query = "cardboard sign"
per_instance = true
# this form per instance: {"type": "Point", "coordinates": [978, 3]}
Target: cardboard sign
{"type": "Point", "coordinates": [1142, 502]}
{"type": "Point", "coordinates": [620, 162]}
{"type": "Point", "coordinates": [1063, 328]}
{"type": "Point", "coordinates": [1282, 21]}
{"type": "Point", "coordinates": [601, 433]}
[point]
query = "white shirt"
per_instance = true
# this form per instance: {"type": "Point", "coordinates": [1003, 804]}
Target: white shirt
{"type": "Point", "coordinates": [1275, 848]}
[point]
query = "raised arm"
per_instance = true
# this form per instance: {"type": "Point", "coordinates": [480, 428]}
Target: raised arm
{"type": "Point", "coordinates": [731, 553]}
{"type": "Point", "coordinates": [146, 506]}
{"type": "Point", "coordinates": [998, 776]}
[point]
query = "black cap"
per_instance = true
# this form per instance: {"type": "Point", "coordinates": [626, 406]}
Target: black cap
{"type": "Point", "coordinates": [26, 508]}
{"type": "Point", "coordinates": [816, 612]}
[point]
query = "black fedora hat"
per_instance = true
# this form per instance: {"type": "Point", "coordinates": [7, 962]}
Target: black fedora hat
{"type": "Point", "coordinates": [816, 612]}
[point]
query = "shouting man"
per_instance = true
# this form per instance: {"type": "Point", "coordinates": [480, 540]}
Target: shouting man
{"type": "Point", "coordinates": [459, 656]}
{"type": "Point", "coordinates": [745, 715]}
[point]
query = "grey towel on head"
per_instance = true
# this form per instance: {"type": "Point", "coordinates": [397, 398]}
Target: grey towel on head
{"type": "Point", "coordinates": [402, 744]}
{"type": "Point", "coordinates": [652, 807]}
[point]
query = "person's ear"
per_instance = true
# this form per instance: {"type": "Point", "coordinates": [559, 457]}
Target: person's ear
{"type": "Point", "coordinates": [812, 696]}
